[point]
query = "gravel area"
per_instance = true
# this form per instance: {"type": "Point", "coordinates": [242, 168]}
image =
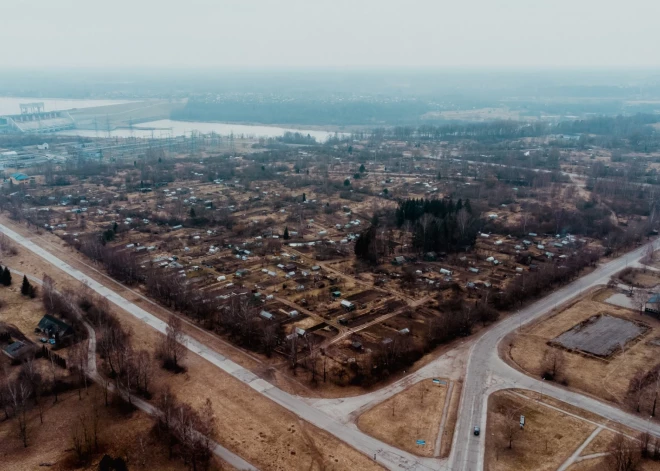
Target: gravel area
{"type": "Point", "coordinates": [600, 335]}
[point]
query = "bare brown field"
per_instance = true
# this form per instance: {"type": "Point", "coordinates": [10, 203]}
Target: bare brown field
{"type": "Point", "coordinates": [22, 312]}
{"type": "Point", "coordinates": [255, 428]}
{"type": "Point", "coordinates": [606, 378]}
{"type": "Point", "coordinates": [549, 437]}
{"type": "Point", "coordinates": [121, 435]}
{"type": "Point", "coordinates": [600, 444]}
{"type": "Point", "coordinates": [414, 414]}
{"type": "Point", "coordinates": [548, 410]}
{"type": "Point", "coordinates": [640, 277]}
{"type": "Point", "coordinates": [452, 418]}
{"type": "Point", "coordinates": [600, 464]}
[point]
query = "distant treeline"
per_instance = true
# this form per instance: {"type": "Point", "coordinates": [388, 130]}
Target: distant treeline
{"type": "Point", "coordinates": [619, 126]}
{"type": "Point", "coordinates": [305, 112]}
{"type": "Point", "coordinates": [296, 138]}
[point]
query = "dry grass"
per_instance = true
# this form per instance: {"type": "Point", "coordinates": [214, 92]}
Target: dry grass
{"type": "Point", "coordinates": [414, 414]}
{"type": "Point", "coordinates": [250, 425]}
{"type": "Point", "coordinates": [640, 277]}
{"type": "Point", "coordinates": [22, 312]}
{"type": "Point", "coordinates": [450, 425]}
{"type": "Point", "coordinates": [549, 437]}
{"type": "Point", "coordinates": [120, 435]}
{"type": "Point", "coordinates": [607, 379]}
{"type": "Point", "coordinates": [600, 464]}
{"type": "Point", "coordinates": [600, 444]}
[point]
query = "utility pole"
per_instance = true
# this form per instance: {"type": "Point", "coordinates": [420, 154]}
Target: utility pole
{"type": "Point", "coordinates": [107, 125]}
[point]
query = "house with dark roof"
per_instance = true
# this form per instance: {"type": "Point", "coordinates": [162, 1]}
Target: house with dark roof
{"type": "Point", "coordinates": [54, 328]}
{"type": "Point", "coordinates": [16, 350]}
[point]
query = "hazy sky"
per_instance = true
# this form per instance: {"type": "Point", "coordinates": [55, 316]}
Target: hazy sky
{"type": "Point", "coordinates": [429, 33]}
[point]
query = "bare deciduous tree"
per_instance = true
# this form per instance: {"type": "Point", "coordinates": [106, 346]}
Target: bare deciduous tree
{"type": "Point", "coordinates": [20, 394]}
{"type": "Point", "coordinates": [553, 364]}
{"type": "Point", "coordinates": [78, 362]}
{"type": "Point", "coordinates": [172, 349]}
{"type": "Point", "coordinates": [511, 425]}
{"type": "Point", "coordinates": [623, 454]}
{"type": "Point", "coordinates": [639, 298]}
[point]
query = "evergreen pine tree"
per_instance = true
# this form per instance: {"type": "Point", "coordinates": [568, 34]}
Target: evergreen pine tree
{"type": "Point", "coordinates": [286, 233]}
{"type": "Point", "coordinates": [6, 277]}
{"type": "Point", "coordinates": [304, 197]}
{"type": "Point", "coordinates": [192, 213]}
{"type": "Point", "coordinates": [25, 287]}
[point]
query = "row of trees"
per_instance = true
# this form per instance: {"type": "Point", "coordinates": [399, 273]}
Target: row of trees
{"type": "Point", "coordinates": [456, 318]}
{"type": "Point", "coordinates": [189, 432]}
{"type": "Point", "coordinates": [547, 275]}
{"type": "Point", "coordinates": [238, 316]}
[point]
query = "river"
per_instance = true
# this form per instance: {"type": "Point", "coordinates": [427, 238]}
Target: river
{"type": "Point", "coordinates": [170, 128]}
{"type": "Point", "coordinates": [157, 129]}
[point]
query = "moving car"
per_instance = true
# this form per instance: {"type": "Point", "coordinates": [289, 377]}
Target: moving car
{"type": "Point", "coordinates": [477, 431]}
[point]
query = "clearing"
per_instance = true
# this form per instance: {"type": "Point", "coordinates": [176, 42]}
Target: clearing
{"type": "Point", "coordinates": [553, 432]}
{"type": "Point", "coordinates": [600, 335]}
{"type": "Point", "coordinates": [409, 420]}
{"type": "Point", "coordinates": [606, 378]}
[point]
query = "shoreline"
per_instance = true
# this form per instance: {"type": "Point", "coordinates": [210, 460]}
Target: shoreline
{"type": "Point", "coordinates": [297, 127]}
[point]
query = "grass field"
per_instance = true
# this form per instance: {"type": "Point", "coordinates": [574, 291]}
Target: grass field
{"type": "Point", "coordinates": [414, 414]}
{"type": "Point", "coordinates": [250, 425]}
{"type": "Point", "coordinates": [605, 378]}
{"type": "Point", "coordinates": [50, 443]}
{"type": "Point", "coordinates": [553, 432]}
{"type": "Point", "coordinates": [549, 437]}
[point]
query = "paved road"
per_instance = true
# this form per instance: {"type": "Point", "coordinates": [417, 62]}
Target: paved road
{"type": "Point", "coordinates": [487, 372]}
{"type": "Point", "coordinates": [228, 456]}
{"type": "Point", "coordinates": [387, 455]}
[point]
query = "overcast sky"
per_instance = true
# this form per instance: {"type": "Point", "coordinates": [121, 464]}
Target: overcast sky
{"type": "Point", "coordinates": [345, 33]}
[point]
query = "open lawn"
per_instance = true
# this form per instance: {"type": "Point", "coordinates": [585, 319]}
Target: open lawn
{"type": "Point", "coordinates": [414, 414]}
{"type": "Point", "coordinates": [20, 311]}
{"type": "Point", "coordinates": [606, 378]}
{"type": "Point", "coordinates": [553, 432]}
{"type": "Point", "coordinates": [600, 464]}
{"type": "Point", "coordinates": [250, 425]}
{"type": "Point", "coordinates": [640, 277]}
{"type": "Point", "coordinates": [125, 435]}
{"type": "Point", "coordinates": [549, 437]}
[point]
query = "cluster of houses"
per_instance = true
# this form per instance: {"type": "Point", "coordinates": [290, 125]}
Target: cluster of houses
{"type": "Point", "coordinates": [52, 331]}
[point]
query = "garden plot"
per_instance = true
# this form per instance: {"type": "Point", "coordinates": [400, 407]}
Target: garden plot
{"type": "Point", "coordinates": [600, 335]}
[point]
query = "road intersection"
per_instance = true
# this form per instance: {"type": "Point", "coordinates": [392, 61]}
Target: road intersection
{"type": "Point", "coordinates": [485, 373]}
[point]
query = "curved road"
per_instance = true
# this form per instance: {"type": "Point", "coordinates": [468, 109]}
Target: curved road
{"type": "Point", "coordinates": [387, 455]}
{"type": "Point", "coordinates": [486, 373]}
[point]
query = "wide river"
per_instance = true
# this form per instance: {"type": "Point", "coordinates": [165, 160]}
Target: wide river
{"type": "Point", "coordinates": [157, 129]}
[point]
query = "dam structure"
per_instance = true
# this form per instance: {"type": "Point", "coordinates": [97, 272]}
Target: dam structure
{"type": "Point", "coordinates": [33, 119]}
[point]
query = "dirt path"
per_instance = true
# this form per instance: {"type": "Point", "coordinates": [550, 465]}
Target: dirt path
{"type": "Point", "coordinates": [389, 456]}
{"type": "Point", "coordinates": [579, 450]}
{"type": "Point", "coordinates": [92, 372]}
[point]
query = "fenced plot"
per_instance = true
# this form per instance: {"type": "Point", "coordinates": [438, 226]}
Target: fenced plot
{"type": "Point", "coordinates": [600, 335]}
